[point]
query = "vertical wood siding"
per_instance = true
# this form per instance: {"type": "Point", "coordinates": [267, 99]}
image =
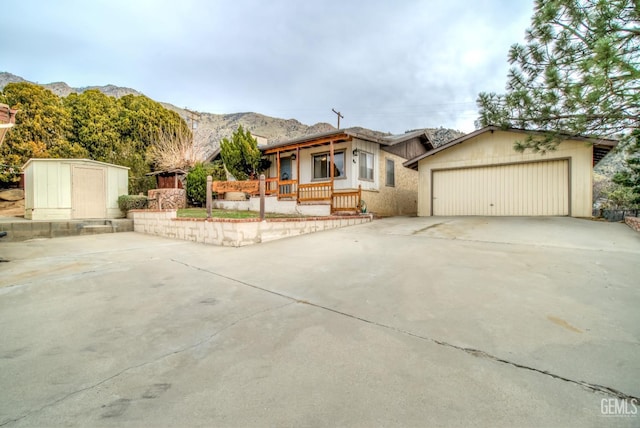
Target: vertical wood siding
{"type": "Point", "coordinates": [88, 188]}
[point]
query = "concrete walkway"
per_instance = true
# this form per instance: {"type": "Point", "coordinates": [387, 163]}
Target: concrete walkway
{"type": "Point", "coordinates": [399, 322]}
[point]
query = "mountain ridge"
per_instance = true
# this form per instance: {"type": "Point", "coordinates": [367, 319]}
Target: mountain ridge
{"type": "Point", "coordinates": [212, 128]}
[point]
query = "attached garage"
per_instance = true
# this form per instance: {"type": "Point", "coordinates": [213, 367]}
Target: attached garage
{"type": "Point", "coordinates": [481, 174]}
{"type": "Point", "coordinates": [66, 189]}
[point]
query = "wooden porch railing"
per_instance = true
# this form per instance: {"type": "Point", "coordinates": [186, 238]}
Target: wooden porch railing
{"type": "Point", "coordinates": [315, 192]}
{"type": "Point", "coordinates": [346, 201]}
{"type": "Point", "coordinates": [271, 186]}
{"type": "Point", "coordinates": [340, 201]}
{"type": "Point", "coordinates": [287, 189]}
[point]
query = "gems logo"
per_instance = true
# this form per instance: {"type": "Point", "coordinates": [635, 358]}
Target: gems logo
{"type": "Point", "coordinates": [619, 408]}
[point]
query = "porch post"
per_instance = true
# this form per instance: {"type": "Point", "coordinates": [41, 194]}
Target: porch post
{"type": "Point", "coordinates": [331, 168]}
{"type": "Point", "coordinates": [261, 187]}
{"type": "Point", "coordinates": [278, 174]}
{"type": "Point", "coordinates": [297, 174]}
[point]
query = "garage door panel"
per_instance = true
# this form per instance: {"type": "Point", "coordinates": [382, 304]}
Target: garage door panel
{"type": "Point", "coordinates": [523, 189]}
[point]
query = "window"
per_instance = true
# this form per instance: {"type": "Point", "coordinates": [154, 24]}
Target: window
{"type": "Point", "coordinates": [321, 164]}
{"type": "Point", "coordinates": [366, 165]}
{"type": "Point", "coordinates": [391, 173]}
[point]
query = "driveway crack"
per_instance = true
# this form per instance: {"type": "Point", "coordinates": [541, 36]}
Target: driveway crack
{"type": "Point", "coordinates": [595, 388]}
{"type": "Point", "coordinates": [482, 354]}
{"type": "Point", "coordinates": [146, 363]}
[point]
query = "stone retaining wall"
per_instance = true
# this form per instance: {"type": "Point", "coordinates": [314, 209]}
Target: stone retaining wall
{"type": "Point", "coordinates": [233, 232]}
{"type": "Point", "coordinates": [633, 223]}
{"type": "Point", "coordinates": [167, 199]}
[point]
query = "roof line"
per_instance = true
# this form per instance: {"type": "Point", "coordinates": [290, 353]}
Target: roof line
{"type": "Point", "coordinates": [413, 163]}
{"type": "Point", "coordinates": [383, 141]}
{"type": "Point", "coordinates": [72, 160]}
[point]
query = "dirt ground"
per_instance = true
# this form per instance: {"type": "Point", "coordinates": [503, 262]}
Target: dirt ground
{"type": "Point", "coordinates": [12, 209]}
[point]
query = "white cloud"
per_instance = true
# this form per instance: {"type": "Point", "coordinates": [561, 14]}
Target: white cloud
{"type": "Point", "coordinates": [390, 66]}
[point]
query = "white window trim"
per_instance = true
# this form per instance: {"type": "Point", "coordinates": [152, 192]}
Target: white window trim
{"type": "Point", "coordinates": [335, 152]}
{"type": "Point", "coordinates": [386, 171]}
{"type": "Point", "coordinates": [362, 154]}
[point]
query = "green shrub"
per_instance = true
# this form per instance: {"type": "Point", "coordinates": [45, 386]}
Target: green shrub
{"type": "Point", "coordinates": [197, 181]}
{"type": "Point", "coordinates": [141, 184]}
{"type": "Point", "coordinates": [132, 202]}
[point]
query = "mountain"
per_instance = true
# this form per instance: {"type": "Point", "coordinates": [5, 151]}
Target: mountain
{"type": "Point", "coordinates": [214, 127]}
{"type": "Point", "coordinates": [211, 128]}
{"type": "Point", "coordinates": [61, 89]}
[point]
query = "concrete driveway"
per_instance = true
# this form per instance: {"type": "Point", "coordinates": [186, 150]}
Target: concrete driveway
{"type": "Point", "coordinates": [400, 322]}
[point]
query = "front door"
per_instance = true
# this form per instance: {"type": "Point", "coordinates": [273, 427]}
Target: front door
{"type": "Point", "coordinates": [285, 174]}
{"type": "Point", "coordinates": [285, 169]}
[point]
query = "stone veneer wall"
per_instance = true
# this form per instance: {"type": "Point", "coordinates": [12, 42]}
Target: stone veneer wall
{"type": "Point", "coordinates": [168, 199]}
{"type": "Point", "coordinates": [400, 199]}
{"type": "Point", "coordinates": [233, 232]}
{"type": "Point", "coordinates": [633, 223]}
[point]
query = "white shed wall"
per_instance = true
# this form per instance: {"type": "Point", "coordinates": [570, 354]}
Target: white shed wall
{"type": "Point", "coordinates": [48, 188]}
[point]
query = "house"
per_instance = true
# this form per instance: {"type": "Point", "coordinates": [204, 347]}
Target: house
{"type": "Point", "coordinates": [349, 170]}
{"type": "Point", "coordinates": [480, 174]}
{"type": "Point", "coordinates": [65, 189]}
{"type": "Point", "coordinates": [7, 120]}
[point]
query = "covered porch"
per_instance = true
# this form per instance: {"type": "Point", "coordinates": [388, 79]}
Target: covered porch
{"type": "Point", "coordinates": [297, 174]}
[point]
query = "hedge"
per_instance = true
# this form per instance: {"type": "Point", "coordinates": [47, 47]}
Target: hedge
{"type": "Point", "coordinates": [132, 202]}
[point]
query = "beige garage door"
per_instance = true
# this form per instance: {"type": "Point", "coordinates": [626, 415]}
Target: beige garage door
{"type": "Point", "coordinates": [89, 193]}
{"type": "Point", "coordinates": [523, 189]}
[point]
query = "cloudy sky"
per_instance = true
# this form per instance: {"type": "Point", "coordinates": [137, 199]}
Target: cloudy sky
{"type": "Point", "coordinates": [386, 65]}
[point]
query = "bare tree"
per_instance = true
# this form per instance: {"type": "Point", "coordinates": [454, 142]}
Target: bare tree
{"type": "Point", "coordinates": [177, 149]}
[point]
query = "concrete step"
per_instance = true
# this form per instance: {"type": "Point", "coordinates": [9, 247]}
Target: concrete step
{"type": "Point", "coordinates": [22, 230]}
{"type": "Point", "coordinates": [95, 229]}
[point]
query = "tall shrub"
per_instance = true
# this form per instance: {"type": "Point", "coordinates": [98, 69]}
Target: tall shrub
{"type": "Point", "coordinates": [197, 181]}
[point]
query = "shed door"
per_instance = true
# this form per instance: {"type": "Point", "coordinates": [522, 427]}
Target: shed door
{"type": "Point", "coordinates": [522, 189]}
{"type": "Point", "coordinates": [88, 192]}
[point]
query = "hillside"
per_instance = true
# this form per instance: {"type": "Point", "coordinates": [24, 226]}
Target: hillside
{"type": "Point", "coordinates": [212, 128]}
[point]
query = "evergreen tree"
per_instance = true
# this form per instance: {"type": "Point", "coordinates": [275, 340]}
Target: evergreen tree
{"type": "Point", "coordinates": [630, 178]}
{"type": "Point", "coordinates": [94, 124]}
{"type": "Point", "coordinates": [42, 129]}
{"type": "Point", "coordinates": [241, 155]}
{"type": "Point", "coordinates": [579, 73]}
{"type": "Point", "coordinates": [140, 121]}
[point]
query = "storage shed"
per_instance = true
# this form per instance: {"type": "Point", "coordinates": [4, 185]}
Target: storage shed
{"type": "Point", "coordinates": [65, 189]}
{"type": "Point", "coordinates": [480, 174]}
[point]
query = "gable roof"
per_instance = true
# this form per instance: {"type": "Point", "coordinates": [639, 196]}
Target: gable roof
{"type": "Point", "coordinates": [339, 135]}
{"type": "Point", "coordinates": [601, 145]}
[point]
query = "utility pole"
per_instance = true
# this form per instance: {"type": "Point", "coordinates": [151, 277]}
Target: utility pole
{"type": "Point", "coordinates": [193, 117]}
{"type": "Point", "coordinates": [340, 116]}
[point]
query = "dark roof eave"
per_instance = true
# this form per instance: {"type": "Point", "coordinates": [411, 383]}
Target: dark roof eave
{"type": "Point", "coordinates": [168, 171]}
{"type": "Point", "coordinates": [413, 163]}
{"type": "Point", "coordinates": [383, 141]}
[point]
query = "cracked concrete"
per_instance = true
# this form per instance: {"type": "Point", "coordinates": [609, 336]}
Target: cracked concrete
{"type": "Point", "coordinates": [391, 323]}
{"type": "Point", "coordinates": [607, 391]}
{"type": "Point", "coordinates": [150, 393]}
